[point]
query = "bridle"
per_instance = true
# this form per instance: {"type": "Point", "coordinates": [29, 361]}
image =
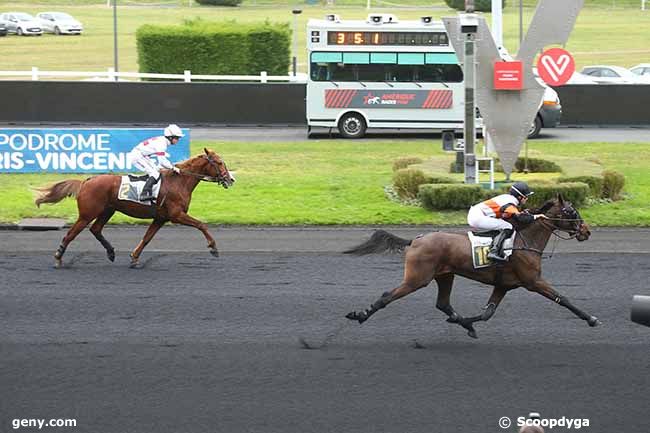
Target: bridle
{"type": "Point", "coordinates": [220, 178]}
{"type": "Point", "coordinates": [572, 215]}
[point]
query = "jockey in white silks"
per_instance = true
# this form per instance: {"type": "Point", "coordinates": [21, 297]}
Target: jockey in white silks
{"type": "Point", "coordinates": [495, 214]}
{"type": "Point", "coordinates": [151, 155]}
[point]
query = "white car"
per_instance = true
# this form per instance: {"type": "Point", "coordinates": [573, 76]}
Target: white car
{"type": "Point", "coordinates": [21, 24]}
{"type": "Point", "coordinates": [606, 74]}
{"type": "Point", "coordinates": [643, 71]}
{"type": "Point", "coordinates": [59, 23]}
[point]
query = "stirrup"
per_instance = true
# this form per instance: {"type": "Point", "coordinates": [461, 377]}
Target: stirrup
{"type": "Point", "coordinates": [497, 257]}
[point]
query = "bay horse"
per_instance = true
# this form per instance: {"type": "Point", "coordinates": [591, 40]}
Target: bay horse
{"type": "Point", "coordinates": [97, 200]}
{"type": "Point", "coordinates": [440, 256]}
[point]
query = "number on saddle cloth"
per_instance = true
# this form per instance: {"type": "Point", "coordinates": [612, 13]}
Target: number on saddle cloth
{"type": "Point", "coordinates": [131, 188]}
{"type": "Point", "coordinates": [481, 242]}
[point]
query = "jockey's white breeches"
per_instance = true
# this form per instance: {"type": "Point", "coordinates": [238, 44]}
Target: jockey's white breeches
{"type": "Point", "coordinates": [143, 163]}
{"type": "Point", "coordinates": [479, 221]}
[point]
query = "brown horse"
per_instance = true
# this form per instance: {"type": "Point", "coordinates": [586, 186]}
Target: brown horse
{"type": "Point", "coordinates": [440, 256]}
{"type": "Point", "coordinates": [97, 200]}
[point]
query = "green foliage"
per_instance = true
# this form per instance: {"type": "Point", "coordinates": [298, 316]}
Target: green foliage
{"type": "Point", "coordinates": [405, 161]}
{"type": "Point", "coordinates": [595, 183]}
{"type": "Point", "coordinates": [449, 196]}
{"type": "Point", "coordinates": [407, 181]}
{"type": "Point", "coordinates": [219, 2]}
{"type": "Point", "coordinates": [613, 183]}
{"type": "Point", "coordinates": [479, 5]}
{"type": "Point", "coordinates": [575, 192]}
{"type": "Point", "coordinates": [214, 48]}
{"type": "Point", "coordinates": [535, 165]}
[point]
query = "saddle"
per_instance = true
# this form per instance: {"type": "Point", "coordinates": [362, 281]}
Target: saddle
{"type": "Point", "coordinates": [131, 188]}
{"type": "Point", "coordinates": [480, 244]}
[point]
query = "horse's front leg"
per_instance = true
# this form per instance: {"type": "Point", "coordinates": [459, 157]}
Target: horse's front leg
{"type": "Point", "coordinates": [488, 311]}
{"type": "Point", "coordinates": [542, 287]}
{"type": "Point", "coordinates": [185, 219]}
{"type": "Point", "coordinates": [151, 232]}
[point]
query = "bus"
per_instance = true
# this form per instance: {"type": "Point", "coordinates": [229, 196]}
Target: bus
{"type": "Point", "coordinates": [382, 73]}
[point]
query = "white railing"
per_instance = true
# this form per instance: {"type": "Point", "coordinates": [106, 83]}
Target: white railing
{"type": "Point", "coordinates": [110, 75]}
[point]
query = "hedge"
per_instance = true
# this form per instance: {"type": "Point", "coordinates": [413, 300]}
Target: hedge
{"type": "Point", "coordinates": [595, 183]}
{"type": "Point", "coordinates": [407, 180]}
{"type": "Point", "coordinates": [479, 5]}
{"type": "Point", "coordinates": [219, 2]}
{"type": "Point", "coordinates": [575, 192]}
{"type": "Point", "coordinates": [535, 165]}
{"type": "Point", "coordinates": [214, 48]}
{"type": "Point", "coordinates": [450, 196]}
{"type": "Point", "coordinates": [405, 161]}
{"type": "Point", "coordinates": [613, 183]}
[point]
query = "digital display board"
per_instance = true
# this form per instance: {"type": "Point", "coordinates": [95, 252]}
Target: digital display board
{"type": "Point", "coordinates": [388, 38]}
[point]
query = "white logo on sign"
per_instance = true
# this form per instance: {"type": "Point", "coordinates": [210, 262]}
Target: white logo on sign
{"type": "Point", "coordinates": [556, 69]}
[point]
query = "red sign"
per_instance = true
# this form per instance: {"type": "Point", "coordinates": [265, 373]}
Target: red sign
{"type": "Point", "coordinates": [556, 66]}
{"type": "Point", "coordinates": [508, 75]}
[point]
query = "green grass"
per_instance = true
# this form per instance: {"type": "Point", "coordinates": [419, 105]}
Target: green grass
{"type": "Point", "coordinates": [341, 182]}
{"type": "Point", "coordinates": [603, 33]}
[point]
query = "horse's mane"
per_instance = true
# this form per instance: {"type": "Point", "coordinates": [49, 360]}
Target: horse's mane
{"type": "Point", "coordinates": [545, 207]}
{"type": "Point", "coordinates": [188, 162]}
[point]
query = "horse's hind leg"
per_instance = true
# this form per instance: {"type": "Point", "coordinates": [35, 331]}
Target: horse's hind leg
{"type": "Point", "coordinates": [72, 233]}
{"type": "Point", "coordinates": [418, 272]}
{"type": "Point", "coordinates": [96, 230]}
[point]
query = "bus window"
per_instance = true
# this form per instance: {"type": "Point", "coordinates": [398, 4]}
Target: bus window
{"type": "Point", "coordinates": [440, 74]}
{"type": "Point", "coordinates": [371, 73]}
{"type": "Point", "coordinates": [401, 73]}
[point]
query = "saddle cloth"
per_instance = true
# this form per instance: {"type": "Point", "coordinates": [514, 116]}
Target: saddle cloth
{"type": "Point", "coordinates": [131, 188]}
{"type": "Point", "coordinates": [481, 245]}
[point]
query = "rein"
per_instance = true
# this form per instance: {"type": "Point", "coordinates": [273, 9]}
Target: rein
{"type": "Point", "coordinates": [201, 177]}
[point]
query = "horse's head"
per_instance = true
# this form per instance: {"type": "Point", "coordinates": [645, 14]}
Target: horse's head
{"type": "Point", "coordinates": [563, 216]}
{"type": "Point", "coordinates": [217, 169]}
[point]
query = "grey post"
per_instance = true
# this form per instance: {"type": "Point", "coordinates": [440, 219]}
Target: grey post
{"type": "Point", "coordinates": [469, 28]}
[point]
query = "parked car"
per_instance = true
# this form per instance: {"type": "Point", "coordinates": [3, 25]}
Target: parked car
{"type": "Point", "coordinates": [3, 29]}
{"type": "Point", "coordinates": [642, 70]}
{"type": "Point", "coordinates": [21, 24]}
{"type": "Point", "coordinates": [549, 113]}
{"type": "Point", "coordinates": [59, 23]}
{"type": "Point", "coordinates": [606, 74]}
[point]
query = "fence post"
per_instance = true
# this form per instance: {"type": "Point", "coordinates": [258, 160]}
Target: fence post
{"type": "Point", "coordinates": [34, 73]}
{"type": "Point", "coordinates": [111, 74]}
{"type": "Point", "coordinates": [263, 76]}
{"type": "Point", "coordinates": [187, 76]}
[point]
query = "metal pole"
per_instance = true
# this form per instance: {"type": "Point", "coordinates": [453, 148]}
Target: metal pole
{"type": "Point", "coordinates": [497, 22]}
{"type": "Point", "coordinates": [469, 132]}
{"type": "Point", "coordinates": [115, 37]}
{"type": "Point", "coordinates": [295, 13]}
{"type": "Point", "coordinates": [521, 22]}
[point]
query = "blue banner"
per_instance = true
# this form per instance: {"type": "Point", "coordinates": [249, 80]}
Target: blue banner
{"type": "Point", "coordinates": [77, 150]}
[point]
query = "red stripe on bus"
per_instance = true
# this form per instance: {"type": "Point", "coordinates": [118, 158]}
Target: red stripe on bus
{"type": "Point", "coordinates": [426, 101]}
{"type": "Point", "coordinates": [350, 97]}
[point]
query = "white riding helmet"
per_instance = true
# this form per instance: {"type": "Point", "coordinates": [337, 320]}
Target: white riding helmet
{"type": "Point", "coordinates": [173, 131]}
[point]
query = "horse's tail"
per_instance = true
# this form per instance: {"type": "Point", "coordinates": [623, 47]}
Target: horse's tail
{"type": "Point", "coordinates": [58, 191]}
{"type": "Point", "coordinates": [379, 242]}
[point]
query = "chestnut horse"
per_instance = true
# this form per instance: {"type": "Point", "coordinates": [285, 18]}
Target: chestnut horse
{"type": "Point", "coordinates": [97, 200]}
{"type": "Point", "coordinates": [439, 256]}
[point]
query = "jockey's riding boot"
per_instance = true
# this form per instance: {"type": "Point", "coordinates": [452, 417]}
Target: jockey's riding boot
{"type": "Point", "coordinates": [147, 193]}
{"type": "Point", "coordinates": [496, 252]}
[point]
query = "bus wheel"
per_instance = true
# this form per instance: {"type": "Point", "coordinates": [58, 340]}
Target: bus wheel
{"type": "Point", "coordinates": [352, 126]}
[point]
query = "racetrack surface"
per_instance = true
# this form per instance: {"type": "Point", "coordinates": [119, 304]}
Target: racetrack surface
{"type": "Point", "coordinates": [190, 343]}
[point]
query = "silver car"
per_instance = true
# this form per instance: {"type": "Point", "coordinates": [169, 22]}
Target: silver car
{"type": "Point", "coordinates": [59, 23]}
{"type": "Point", "coordinates": [21, 23]}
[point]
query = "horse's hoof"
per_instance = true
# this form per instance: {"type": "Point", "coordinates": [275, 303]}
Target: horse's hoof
{"type": "Point", "coordinates": [135, 264]}
{"type": "Point", "coordinates": [593, 321]}
{"type": "Point", "coordinates": [58, 263]}
{"type": "Point", "coordinates": [472, 333]}
{"type": "Point", "coordinates": [356, 316]}
{"type": "Point", "coordinates": [214, 252]}
{"type": "Point", "coordinates": [454, 319]}
{"type": "Point", "coordinates": [111, 255]}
